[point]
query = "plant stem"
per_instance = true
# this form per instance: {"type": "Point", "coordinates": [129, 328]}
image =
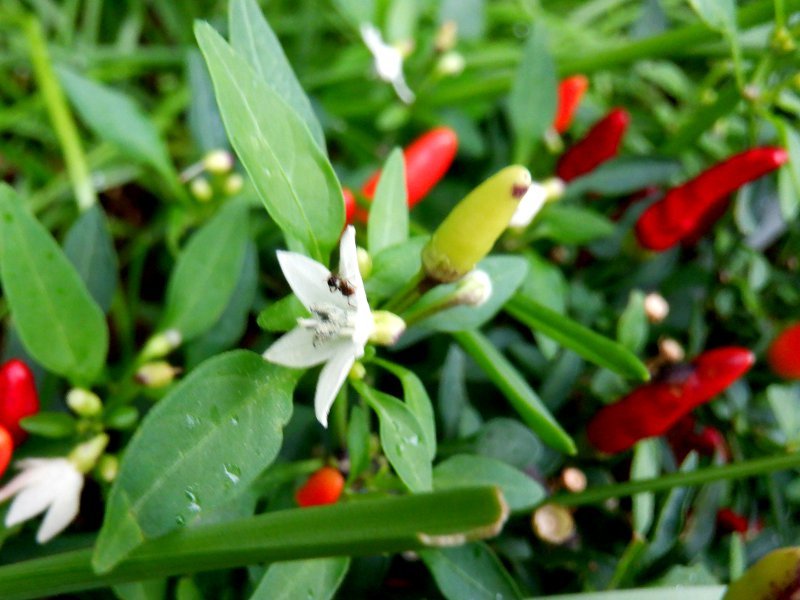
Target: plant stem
{"type": "Point", "coordinates": [60, 115]}
{"type": "Point", "coordinates": [749, 468]}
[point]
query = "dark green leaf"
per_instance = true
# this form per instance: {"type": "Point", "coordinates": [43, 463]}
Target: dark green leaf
{"type": "Point", "coordinates": [315, 579]}
{"type": "Point", "coordinates": [571, 225]}
{"type": "Point", "coordinates": [50, 424]}
{"type": "Point", "coordinates": [282, 315]}
{"type": "Point", "coordinates": [632, 327]}
{"type": "Point", "coordinates": [471, 571]}
{"type": "Point", "coordinates": [625, 175]}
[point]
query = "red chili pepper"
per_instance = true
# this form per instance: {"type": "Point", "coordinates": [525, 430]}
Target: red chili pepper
{"type": "Point", "coordinates": [654, 408]}
{"type": "Point", "coordinates": [570, 92]}
{"type": "Point", "coordinates": [18, 397]}
{"type": "Point", "coordinates": [350, 205]}
{"type": "Point", "coordinates": [684, 437]}
{"type": "Point", "coordinates": [688, 211]}
{"type": "Point", "coordinates": [6, 449]}
{"type": "Point", "coordinates": [427, 159]}
{"type": "Point", "coordinates": [729, 521]}
{"type": "Point", "coordinates": [323, 487]}
{"type": "Point", "coordinates": [783, 355]}
{"type": "Point", "coordinates": [600, 144]}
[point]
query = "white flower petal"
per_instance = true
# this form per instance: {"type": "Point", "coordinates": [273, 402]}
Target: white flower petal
{"type": "Point", "coordinates": [296, 349]}
{"type": "Point", "coordinates": [529, 206]}
{"type": "Point", "coordinates": [30, 502]}
{"type": "Point", "coordinates": [64, 509]}
{"type": "Point", "coordinates": [22, 480]}
{"type": "Point", "coordinates": [330, 381]}
{"type": "Point", "coordinates": [308, 280]}
{"type": "Point", "coordinates": [402, 90]}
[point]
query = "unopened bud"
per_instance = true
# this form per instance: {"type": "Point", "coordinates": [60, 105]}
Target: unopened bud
{"type": "Point", "coordinates": [473, 226]}
{"type": "Point", "coordinates": [84, 456]}
{"type": "Point", "coordinates": [201, 189]}
{"type": "Point", "coordinates": [233, 184]}
{"type": "Point", "coordinates": [670, 350]}
{"type": "Point", "coordinates": [574, 479]}
{"type": "Point", "coordinates": [388, 328]}
{"type": "Point", "coordinates": [156, 374]}
{"type": "Point", "coordinates": [553, 524]}
{"type": "Point", "coordinates": [357, 371]}
{"type": "Point", "coordinates": [655, 307]}
{"type": "Point", "coordinates": [554, 188]}
{"type": "Point", "coordinates": [446, 36]}
{"type": "Point", "coordinates": [162, 344]}
{"type": "Point", "coordinates": [451, 64]}
{"type": "Point", "coordinates": [218, 162]}
{"type": "Point", "coordinates": [529, 206]}
{"type": "Point", "coordinates": [84, 403]}
{"type": "Point", "coordinates": [364, 262]}
{"type": "Point", "coordinates": [474, 288]}
{"type": "Point", "coordinates": [108, 467]}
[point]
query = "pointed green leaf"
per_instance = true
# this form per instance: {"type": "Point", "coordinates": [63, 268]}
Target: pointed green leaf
{"type": "Point", "coordinates": [471, 571]}
{"type": "Point", "coordinates": [315, 579]}
{"type": "Point", "coordinates": [388, 214]}
{"type": "Point", "coordinates": [198, 448]}
{"type": "Point", "coordinates": [291, 174]}
{"type": "Point", "coordinates": [59, 323]}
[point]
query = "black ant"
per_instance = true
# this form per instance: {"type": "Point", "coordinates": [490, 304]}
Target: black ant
{"type": "Point", "coordinates": [337, 283]}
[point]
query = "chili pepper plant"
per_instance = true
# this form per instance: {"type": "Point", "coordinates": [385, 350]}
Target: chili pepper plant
{"type": "Point", "coordinates": [399, 299]}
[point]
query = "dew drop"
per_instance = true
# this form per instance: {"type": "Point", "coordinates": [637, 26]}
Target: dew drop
{"type": "Point", "coordinates": [192, 421]}
{"type": "Point", "coordinates": [232, 472]}
{"type": "Point", "coordinates": [234, 420]}
{"type": "Point", "coordinates": [194, 501]}
{"type": "Point", "coordinates": [180, 520]}
{"type": "Point", "coordinates": [413, 440]}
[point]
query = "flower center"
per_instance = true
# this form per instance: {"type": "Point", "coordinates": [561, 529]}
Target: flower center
{"type": "Point", "coordinates": [328, 321]}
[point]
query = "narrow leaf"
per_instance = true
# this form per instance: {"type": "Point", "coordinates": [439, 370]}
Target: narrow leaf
{"type": "Point", "coordinates": [571, 334]}
{"type": "Point", "coordinates": [56, 318]}
{"type": "Point", "coordinates": [388, 215]}
{"type": "Point", "coordinates": [198, 448]}
{"type": "Point", "coordinates": [315, 579]}
{"type": "Point", "coordinates": [291, 174]}
{"type": "Point", "coordinates": [471, 571]}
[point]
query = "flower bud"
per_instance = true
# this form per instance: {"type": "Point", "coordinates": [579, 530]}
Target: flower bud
{"type": "Point", "coordinates": [446, 36]}
{"type": "Point", "coordinates": [201, 189]}
{"type": "Point", "coordinates": [554, 188]}
{"type": "Point", "coordinates": [671, 350]}
{"type": "Point", "coordinates": [473, 226]}
{"type": "Point", "coordinates": [474, 288]}
{"type": "Point", "coordinates": [218, 162]}
{"type": "Point", "coordinates": [357, 371]}
{"type": "Point", "coordinates": [388, 328]}
{"type": "Point", "coordinates": [108, 467]}
{"type": "Point", "coordinates": [233, 184]}
{"type": "Point", "coordinates": [364, 262]}
{"type": "Point", "coordinates": [84, 403]}
{"type": "Point", "coordinates": [574, 479]}
{"type": "Point", "coordinates": [162, 344]}
{"type": "Point", "coordinates": [156, 374]}
{"type": "Point", "coordinates": [84, 456]}
{"type": "Point", "coordinates": [451, 64]}
{"type": "Point", "coordinates": [655, 307]}
{"type": "Point", "coordinates": [553, 524]}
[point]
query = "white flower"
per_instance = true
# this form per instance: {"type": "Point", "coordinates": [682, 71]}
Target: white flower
{"type": "Point", "coordinates": [388, 61]}
{"type": "Point", "coordinates": [529, 206]}
{"type": "Point", "coordinates": [339, 327]}
{"type": "Point", "coordinates": [44, 484]}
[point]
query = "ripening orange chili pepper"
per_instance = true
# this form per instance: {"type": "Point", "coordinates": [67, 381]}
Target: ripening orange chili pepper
{"type": "Point", "coordinates": [324, 486]}
{"type": "Point", "coordinates": [783, 355]}
{"type": "Point", "coordinates": [687, 212]}
{"type": "Point", "coordinates": [18, 397]}
{"type": "Point", "coordinates": [570, 92]}
{"type": "Point", "coordinates": [427, 160]}
{"type": "Point", "coordinates": [654, 408]}
{"type": "Point", "coordinates": [596, 147]}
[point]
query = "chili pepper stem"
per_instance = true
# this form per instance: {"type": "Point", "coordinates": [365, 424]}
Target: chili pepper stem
{"type": "Point", "coordinates": [409, 294]}
{"type": "Point", "coordinates": [339, 420]}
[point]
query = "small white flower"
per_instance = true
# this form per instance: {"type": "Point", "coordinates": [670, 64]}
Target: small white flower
{"type": "Point", "coordinates": [529, 206]}
{"type": "Point", "coordinates": [339, 327]}
{"type": "Point", "coordinates": [388, 61]}
{"type": "Point", "coordinates": [44, 484]}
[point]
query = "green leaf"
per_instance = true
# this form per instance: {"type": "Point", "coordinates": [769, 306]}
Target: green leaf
{"type": "Point", "coordinates": [471, 571]}
{"type": "Point", "coordinates": [370, 526]}
{"type": "Point", "coordinates": [402, 438]}
{"type": "Point", "coordinates": [198, 448]}
{"type": "Point", "coordinates": [114, 117]}
{"type": "Point", "coordinates": [282, 314]}
{"type": "Point", "coordinates": [534, 92]}
{"type": "Point", "coordinates": [388, 214]}
{"type": "Point", "coordinates": [625, 175]}
{"type": "Point", "coordinates": [291, 174]}
{"type": "Point", "coordinates": [632, 327]}
{"type": "Point", "coordinates": [417, 401]}
{"type": "Point", "coordinates": [56, 318]}
{"type": "Point", "coordinates": [90, 248]}
{"type": "Point", "coordinates": [719, 15]}
{"type": "Point", "coordinates": [789, 174]}
{"type": "Point", "coordinates": [506, 273]}
{"type": "Point", "coordinates": [50, 424]}
{"type": "Point", "coordinates": [394, 267]}
{"type": "Point", "coordinates": [514, 387]}
{"type": "Point", "coordinates": [785, 403]}
{"type": "Point", "coordinates": [646, 464]}
{"type": "Point", "coordinates": [315, 579]}
{"type": "Point", "coordinates": [571, 225]}
{"type": "Point", "coordinates": [253, 38]}
{"type": "Point", "coordinates": [687, 592]}
{"type": "Point", "coordinates": [358, 441]}
{"type": "Point", "coordinates": [583, 341]}
{"type": "Point", "coordinates": [206, 273]}
{"type": "Point", "coordinates": [203, 117]}
{"type": "Point", "coordinates": [521, 491]}
{"type": "Point", "coordinates": [546, 283]}
{"type": "Point", "coordinates": [357, 11]}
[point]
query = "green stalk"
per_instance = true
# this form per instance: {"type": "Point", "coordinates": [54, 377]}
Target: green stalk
{"type": "Point", "coordinates": [363, 527]}
{"type": "Point", "coordinates": [61, 117]}
{"type": "Point", "coordinates": [750, 468]}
